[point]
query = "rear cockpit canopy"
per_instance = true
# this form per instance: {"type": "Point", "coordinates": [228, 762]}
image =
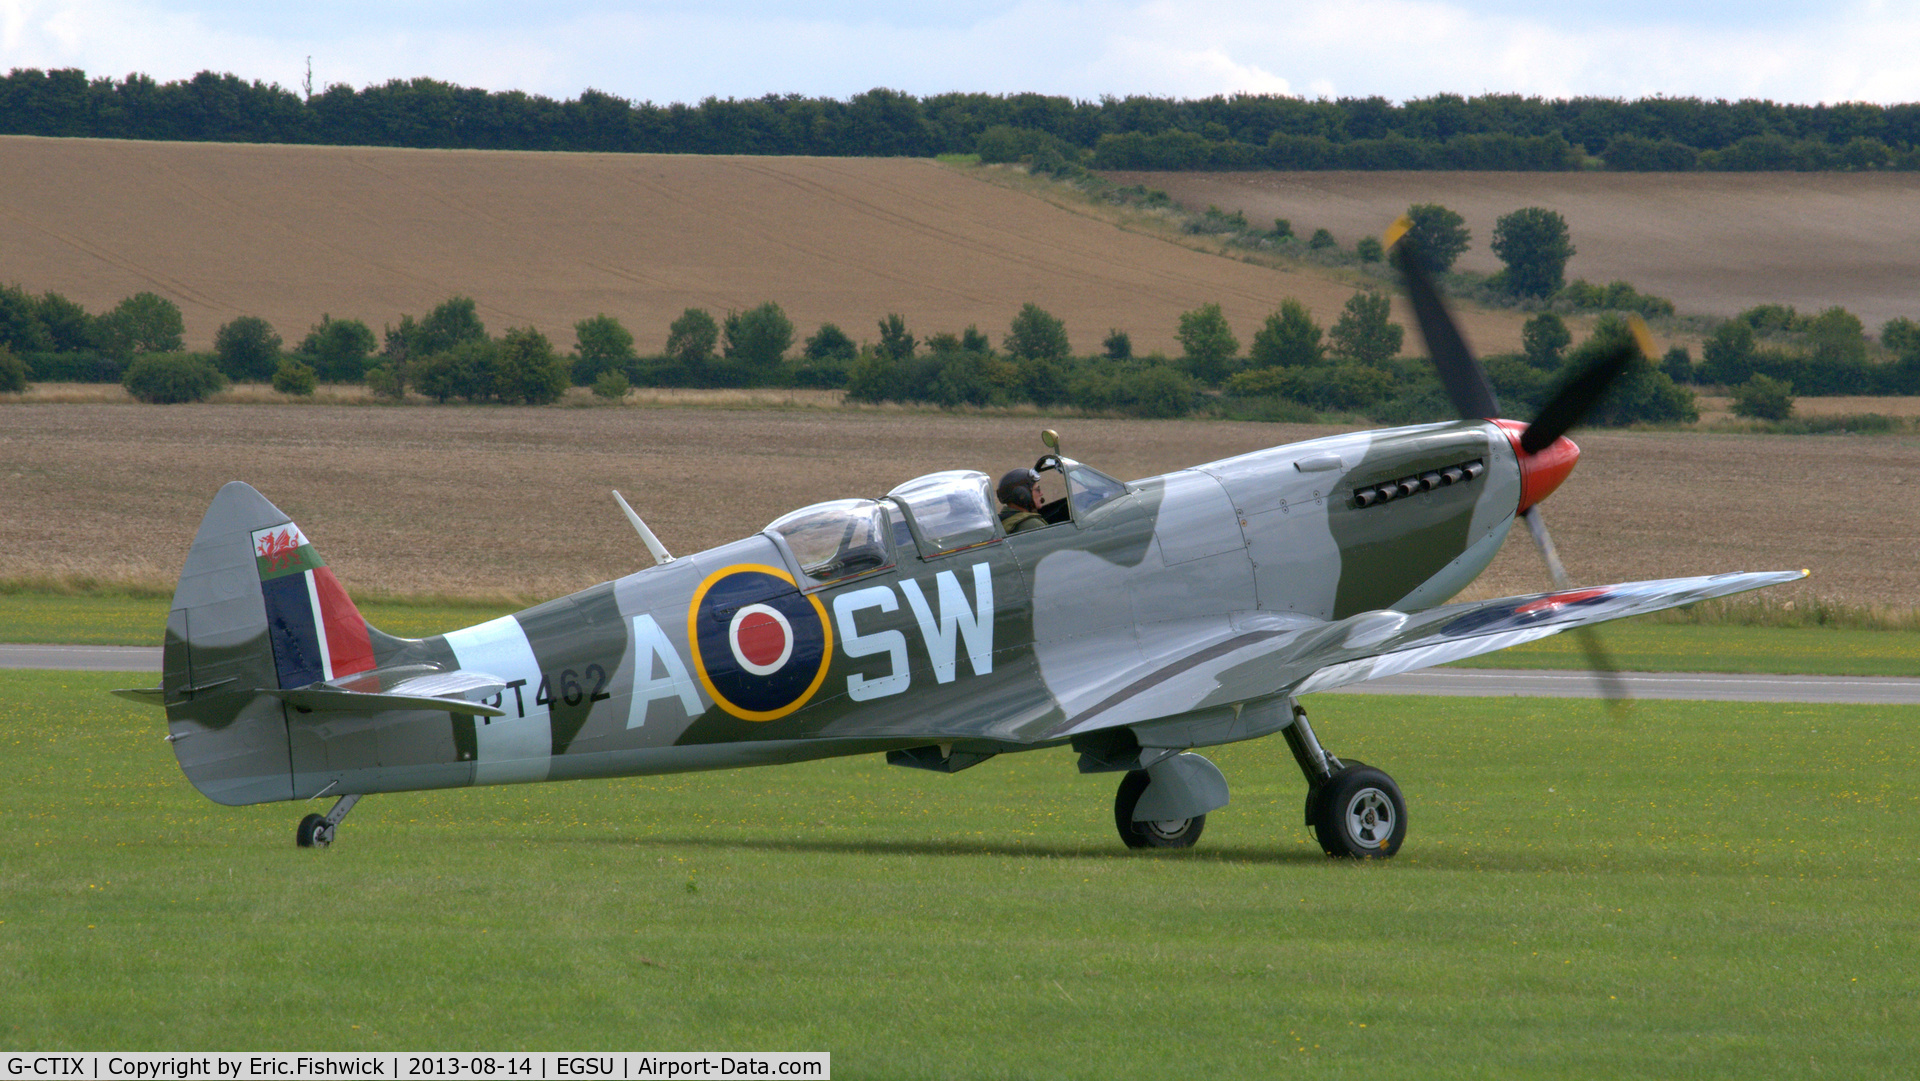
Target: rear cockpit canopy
{"type": "Point", "coordinates": [837, 539]}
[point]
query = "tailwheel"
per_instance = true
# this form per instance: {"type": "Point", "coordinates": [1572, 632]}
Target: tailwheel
{"type": "Point", "coordinates": [1167, 833]}
{"type": "Point", "coordinates": [314, 832]}
{"type": "Point", "coordinates": [1358, 813]}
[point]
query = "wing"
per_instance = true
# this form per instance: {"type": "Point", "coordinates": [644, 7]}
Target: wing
{"type": "Point", "coordinates": [1227, 662]}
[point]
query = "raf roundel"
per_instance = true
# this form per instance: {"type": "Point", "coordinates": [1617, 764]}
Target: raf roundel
{"type": "Point", "coordinates": [761, 647]}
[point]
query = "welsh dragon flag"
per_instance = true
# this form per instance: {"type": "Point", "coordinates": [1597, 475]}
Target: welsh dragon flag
{"type": "Point", "coordinates": [316, 631]}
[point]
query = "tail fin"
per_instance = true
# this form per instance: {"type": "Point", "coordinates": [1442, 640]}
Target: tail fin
{"type": "Point", "coordinates": [257, 609]}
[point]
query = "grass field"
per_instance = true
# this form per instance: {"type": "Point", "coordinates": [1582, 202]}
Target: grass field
{"type": "Point", "coordinates": [1709, 891]}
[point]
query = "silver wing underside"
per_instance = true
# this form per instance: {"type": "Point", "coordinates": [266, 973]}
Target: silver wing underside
{"type": "Point", "coordinates": [1197, 665]}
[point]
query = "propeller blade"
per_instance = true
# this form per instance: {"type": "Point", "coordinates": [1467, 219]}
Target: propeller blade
{"type": "Point", "coordinates": [1462, 376]}
{"type": "Point", "coordinates": [1605, 672]}
{"type": "Point", "coordinates": [1581, 393]}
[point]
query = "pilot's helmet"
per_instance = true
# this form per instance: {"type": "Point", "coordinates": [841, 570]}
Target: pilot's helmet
{"type": "Point", "coordinates": [1016, 488]}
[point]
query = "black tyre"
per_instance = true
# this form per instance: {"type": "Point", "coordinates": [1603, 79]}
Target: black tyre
{"type": "Point", "coordinates": [314, 832]}
{"type": "Point", "coordinates": [1358, 813]}
{"type": "Point", "coordinates": [1177, 833]}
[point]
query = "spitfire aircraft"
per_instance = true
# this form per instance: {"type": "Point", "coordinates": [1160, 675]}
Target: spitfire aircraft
{"type": "Point", "coordinates": [1141, 620]}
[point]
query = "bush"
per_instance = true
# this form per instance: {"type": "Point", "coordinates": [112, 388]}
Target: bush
{"type": "Point", "coordinates": [1642, 394]}
{"type": "Point", "coordinates": [1545, 337]}
{"type": "Point", "coordinates": [757, 339]}
{"type": "Point", "coordinates": [1208, 341]}
{"type": "Point", "coordinates": [1616, 296]}
{"type": "Point", "coordinates": [1044, 380]}
{"type": "Point", "coordinates": [601, 345]}
{"type": "Point", "coordinates": [1217, 222]}
{"type": "Point", "coordinates": [67, 323]}
{"type": "Point", "coordinates": [338, 349]}
{"type": "Point", "coordinates": [1345, 388]}
{"type": "Point", "coordinates": [612, 386]}
{"type": "Point", "coordinates": [1118, 346]}
{"type": "Point", "coordinates": [142, 323]}
{"type": "Point", "coordinates": [1289, 337]}
{"type": "Point", "coordinates": [21, 330]}
{"type": "Point", "coordinates": [386, 382]}
{"type": "Point", "coordinates": [1369, 250]}
{"type": "Point", "coordinates": [293, 377]}
{"type": "Point", "coordinates": [1440, 235]}
{"type": "Point", "coordinates": [169, 378]}
{"type": "Point", "coordinates": [454, 321]}
{"type": "Point", "coordinates": [247, 349]}
{"type": "Point", "coordinates": [896, 343]}
{"type": "Point", "coordinates": [526, 370]}
{"type": "Point", "coordinates": [465, 371]}
{"type": "Point", "coordinates": [1365, 330]}
{"type": "Point", "coordinates": [691, 338]}
{"type": "Point", "coordinates": [1726, 357]}
{"type": "Point", "coordinates": [1901, 336]}
{"type": "Point", "coordinates": [1772, 318]}
{"type": "Point", "coordinates": [13, 372]}
{"type": "Point", "coordinates": [1678, 364]}
{"type": "Point", "coordinates": [830, 343]}
{"type": "Point", "coordinates": [1321, 239]}
{"type": "Point", "coordinates": [1035, 333]}
{"type": "Point", "coordinates": [1763, 398]}
{"type": "Point", "coordinates": [1535, 244]}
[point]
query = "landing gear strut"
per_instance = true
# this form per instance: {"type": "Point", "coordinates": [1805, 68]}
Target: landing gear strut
{"type": "Point", "coordinates": [1354, 810]}
{"type": "Point", "coordinates": [316, 831]}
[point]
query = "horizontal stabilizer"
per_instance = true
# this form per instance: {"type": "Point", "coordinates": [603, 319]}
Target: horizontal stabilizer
{"type": "Point", "coordinates": [322, 699]}
{"type": "Point", "coordinates": [146, 696]}
{"type": "Point", "coordinates": [417, 686]}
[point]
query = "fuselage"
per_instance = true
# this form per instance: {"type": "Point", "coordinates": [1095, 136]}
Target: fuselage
{"type": "Point", "coordinates": [875, 625]}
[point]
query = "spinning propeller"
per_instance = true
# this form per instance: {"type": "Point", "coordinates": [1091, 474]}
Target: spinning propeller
{"type": "Point", "coordinates": [1546, 456]}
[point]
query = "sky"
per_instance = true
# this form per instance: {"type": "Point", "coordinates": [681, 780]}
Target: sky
{"type": "Point", "coordinates": [686, 50]}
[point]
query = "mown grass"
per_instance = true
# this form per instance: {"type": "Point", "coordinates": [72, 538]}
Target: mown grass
{"type": "Point", "coordinates": [1708, 890]}
{"type": "Point", "coordinates": [1643, 645]}
{"type": "Point", "coordinates": [139, 617]}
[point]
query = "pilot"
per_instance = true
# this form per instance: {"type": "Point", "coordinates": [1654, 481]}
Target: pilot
{"type": "Point", "coordinates": [1020, 491]}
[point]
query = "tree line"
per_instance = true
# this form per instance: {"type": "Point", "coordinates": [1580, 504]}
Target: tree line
{"type": "Point", "coordinates": [1294, 369]}
{"type": "Point", "coordinates": [1445, 131]}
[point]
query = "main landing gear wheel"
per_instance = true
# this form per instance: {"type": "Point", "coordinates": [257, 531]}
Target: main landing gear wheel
{"type": "Point", "coordinates": [314, 832]}
{"type": "Point", "coordinates": [1173, 833]}
{"type": "Point", "coordinates": [1358, 813]}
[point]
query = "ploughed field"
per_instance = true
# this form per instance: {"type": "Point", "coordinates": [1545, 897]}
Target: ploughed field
{"type": "Point", "coordinates": [289, 233]}
{"type": "Point", "coordinates": [513, 503]}
{"type": "Point", "coordinates": [1713, 243]}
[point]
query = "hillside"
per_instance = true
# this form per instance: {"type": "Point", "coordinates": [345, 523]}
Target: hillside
{"type": "Point", "coordinates": [291, 232]}
{"type": "Point", "coordinates": [1712, 243]}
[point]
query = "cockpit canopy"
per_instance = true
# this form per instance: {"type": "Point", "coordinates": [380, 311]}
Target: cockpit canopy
{"type": "Point", "coordinates": [950, 511]}
{"type": "Point", "coordinates": [935, 514]}
{"type": "Point", "coordinates": [837, 539]}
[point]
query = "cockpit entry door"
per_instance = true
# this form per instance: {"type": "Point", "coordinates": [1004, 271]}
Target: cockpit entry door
{"type": "Point", "coordinates": [948, 512]}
